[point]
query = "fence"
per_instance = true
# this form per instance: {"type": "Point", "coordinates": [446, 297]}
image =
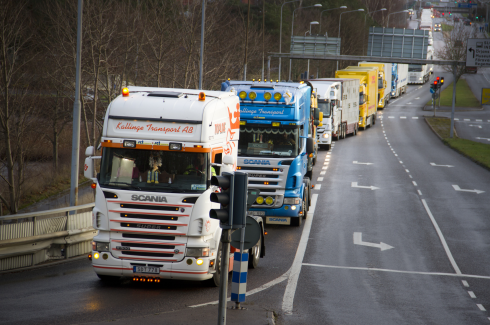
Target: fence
{"type": "Point", "coordinates": [36, 237]}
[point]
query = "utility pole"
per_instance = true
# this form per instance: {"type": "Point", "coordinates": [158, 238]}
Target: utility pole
{"type": "Point", "coordinates": [201, 59]}
{"type": "Point", "coordinates": [263, 38]}
{"type": "Point", "coordinates": [246, 44]}
{"type": "Point", "coordinates": [75, 144]}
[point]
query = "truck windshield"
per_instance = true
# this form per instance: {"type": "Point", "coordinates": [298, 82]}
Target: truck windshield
{"type": "Point", "coordinates": [268, 141]}
{"type": "Point", "coordinates": [154, 170]}
{"type": "Point", "coordinates": [415, 67]}
{"type": "Point", "coordinates": [325, 108]}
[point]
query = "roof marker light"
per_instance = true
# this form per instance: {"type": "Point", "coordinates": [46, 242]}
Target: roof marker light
{"type": "Point", "coordinates": [125, 92]}
{"type": "Point", "coordinates": [202, 96]}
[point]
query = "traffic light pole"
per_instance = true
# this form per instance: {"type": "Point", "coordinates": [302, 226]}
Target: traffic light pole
{"type": "Point", "coordinates": [225, 265]}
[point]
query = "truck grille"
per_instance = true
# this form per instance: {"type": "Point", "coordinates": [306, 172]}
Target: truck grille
{"type": "Point", "coordinates": [148, 231]}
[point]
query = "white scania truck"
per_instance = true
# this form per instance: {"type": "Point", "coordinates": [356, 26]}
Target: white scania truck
{"type": "Point", "coordinates": [160, 148]}
{"type": "Point", "coordinates": [338, 99]}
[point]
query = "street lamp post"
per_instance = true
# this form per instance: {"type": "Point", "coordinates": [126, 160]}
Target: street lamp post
{"type": "Point", "coordinates": [372, 12]}
{"type": "Point", "coordinates": [340, 19]}
{"type": "Point", "coordinates": [280, 37]}
{"type": "Point", "coordinates": [341, 7]}
{"type": "Point", "coordinates": [308, 70]}
{"type": "Point", "coordinates": [292, 28]}
{"type": "Point", "coordinates": [398, 12]}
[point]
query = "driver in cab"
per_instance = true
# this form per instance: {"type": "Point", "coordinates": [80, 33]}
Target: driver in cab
{"type": "Point", "coordinates": [198, 167]}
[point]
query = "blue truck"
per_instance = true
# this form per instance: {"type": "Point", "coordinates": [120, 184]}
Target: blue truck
{"type": "Point", "coordinates": [274, 147]}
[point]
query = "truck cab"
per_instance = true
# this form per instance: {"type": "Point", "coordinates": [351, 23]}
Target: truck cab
{"type": "Point", "coordinates": [274, 147]}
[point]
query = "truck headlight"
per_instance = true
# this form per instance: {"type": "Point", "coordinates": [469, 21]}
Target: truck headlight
{"type": "Point", "coordinates": [292, 200]}
{"type": "Point", "coordinates": [325, 135]}
{"type": "Point", "coordinates": [197, 252]}
{"type": "Point", "coordinates": [100, 247]}
{"type": "Point", "coordinates": [420, 78]}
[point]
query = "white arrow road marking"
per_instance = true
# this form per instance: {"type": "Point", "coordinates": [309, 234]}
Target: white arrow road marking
{"type": "Point", "coordinates": [457, 188]}
{"type": "Point", "coordinates": [358, 241]}
{"type": "Point", "coordinates": [354, 184]}
{"type": "Point", "coordinates": [360, 163]}
{"type": "Point", "coordinates": [476, 126]}
{"type": "Point", "coordinates": [435, 165]}
{"type": "Point", "coordinates": [482, 138]}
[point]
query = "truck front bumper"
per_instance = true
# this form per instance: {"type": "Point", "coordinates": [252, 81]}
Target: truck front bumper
{"type": "Point", "coordinates": [186, 269]}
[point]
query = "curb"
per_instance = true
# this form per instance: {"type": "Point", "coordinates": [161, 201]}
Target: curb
{"type": "Point", "coordinates": [430, 126]}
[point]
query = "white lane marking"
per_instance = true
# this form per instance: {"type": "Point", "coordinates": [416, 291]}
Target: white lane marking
{"type": "Point", "coordinates": [396, 155]}
{"type": "Point", "coordinates": [389, 144]}
{"type": "Point", "coordinates": [415, 117]}
{"type": "Point", "coordinates": [386, 138]}
{"type": "Point", "coordinates": [403, 117]}
{"type": "Point", "coordinates": [358, 241]}
{"type": "Point", "coordinates": [361, 163]}
{"type": "Point", "coordinates": [418, 191]}
{"type": "Point", "coordinates": [251, 292]}
{"type": "Point", "coordinates": [410, 176]}
{"type": "Point", "coordinates": [401, 162]}
{"type": "Point", "coordinates": [399, 271]}
{"type": "Point", "coordinates": [317, 186]}
{"type": "Point", "coordinates": [488, 120]}
{"type": "Point", "coordinates": [479, 120]}
{"type": "Point", "coordinates": [488, 139]}
{"type": "Point", "coordinates": [323, 172]}
{"type": "Point", "coordinates": [441, 238]}
{"type": "Point", "coordinates": [319, 179]}
{"type": "Point", "coordinates": [407, 170]}
{"type": "Point", "coordinates": [288, 298]}
{"type": "Point", "coordinates": [324, 167]}
{"type": "Point", "coordinates": [476, 126]}
{"type": "Point", "coordinates": [435, 165]}
{"type": "Point", "coordinates": [417, 98]}
{"type": "Point", "coordinates": [391, 117]}
{"type": "Point", "coordinates": [481, 307]}
{"type": "Point", "coordinates": [472, 294]}
{"type": "Point", "coordinates": [457, 188]}
{"type": "Point", "coordinates": [384, 131]}
{"type": "Point", "coordinates": [456, 119]}
{"type": "Point", "coordinates": [414, 183]}
{"type": "Point", "coordinates": [465, 283]}
{"type": "Point", "coordinates": [372, 188]}
{"type": "Point", "coordinates": [467, 120]}
{"type": "Point", "coordinates": [409, 103]}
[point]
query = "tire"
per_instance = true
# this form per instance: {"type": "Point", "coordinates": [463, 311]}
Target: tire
{"type": "Point", "coordinates": [373, 120]}
{"type": "Point", "coordinates": [216, 279]}
{"type": "Point", "coordinates": [304, 207]}
{"type": "Point", "coordinates": [327, 147]}
{"type": "Point", "coordinates": [109, 278]}
{"type": "Point", "coordinates": [314, 160]}
{"type": "Point", "coordinates": [307, 182]}
{"type": "Point", "coordinates": [254, 255]}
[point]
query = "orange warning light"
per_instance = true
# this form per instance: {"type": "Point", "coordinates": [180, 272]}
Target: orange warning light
{"type": "Point", "coordinates": [93, 185]}
{"type": "Point", "coordinates": [202, 96]}
{"type": "Point", "coordinates": [125, 92]}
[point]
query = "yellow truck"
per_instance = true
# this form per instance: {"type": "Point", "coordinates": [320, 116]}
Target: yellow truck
{"type": "Point", "coordinates": [368, 92]}
{"type": "Point", "coordinates": [384, 81]}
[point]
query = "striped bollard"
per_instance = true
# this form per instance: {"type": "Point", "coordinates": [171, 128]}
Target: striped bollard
{"type": "Point", "coordinates": [239, 278]}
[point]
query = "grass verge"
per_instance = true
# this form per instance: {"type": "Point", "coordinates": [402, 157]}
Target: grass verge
{"type": "Point", "coordinates": [476, 151]}
{"type": "Point", "coordinates": [464, 96]}
{"type": "Point", "coordinates": [447, 28]}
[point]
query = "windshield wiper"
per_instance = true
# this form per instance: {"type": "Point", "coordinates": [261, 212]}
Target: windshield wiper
{"type": "Point", "coordinates": [123, 183]}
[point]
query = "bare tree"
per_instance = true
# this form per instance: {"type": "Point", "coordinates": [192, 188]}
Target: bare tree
{"type": "Point", "coordinates": [16, 35]}
{"type": "Point", "coordinates": [454, 49]}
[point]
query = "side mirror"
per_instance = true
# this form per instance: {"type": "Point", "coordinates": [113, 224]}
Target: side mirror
{"type": "Point", "coordinates": [88, 168]}
{"type": "Point", "coordinates": [229, 160]}
{"type": "Point", "coordinates": [310, 145]}
{"type": "Point", "coordinates": [90, 151]}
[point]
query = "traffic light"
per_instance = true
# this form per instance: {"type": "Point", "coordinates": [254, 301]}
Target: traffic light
{"type": "Point", "coordinates": [450, 13]}
{"type": "Point", "coordinates": [443, 14]}
{"type": "Point", "coordinates": [442, 81]}
{"type": "Point", "coordinates": [438, 82]}
{"type": "Point", "coordinates": [434, 85]}
{"type": "Point", "coordinates": [233, 200]}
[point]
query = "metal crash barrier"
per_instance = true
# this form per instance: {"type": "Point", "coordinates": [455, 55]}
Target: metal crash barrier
{"type": "Point", "coordinates": [31, 238]}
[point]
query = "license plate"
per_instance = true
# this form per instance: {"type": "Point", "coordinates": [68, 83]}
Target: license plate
{"type": "Point", "coordinates": [123, 248]}
{"type": "Point", "coordinates": [146, 269]}
{"type": "Point", "coordinates": [278, 220]}
{"type": "Point", "coordinates": [258, 213]}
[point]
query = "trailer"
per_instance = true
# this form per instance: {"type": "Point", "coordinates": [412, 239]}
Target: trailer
{"type": "Point", "coordinates": [399, 79]}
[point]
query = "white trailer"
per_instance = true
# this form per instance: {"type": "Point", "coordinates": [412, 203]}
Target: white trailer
{"type": "Point", "coordinates": [399, 79]}
{"type": "Point", "coordinates": [338, 99]}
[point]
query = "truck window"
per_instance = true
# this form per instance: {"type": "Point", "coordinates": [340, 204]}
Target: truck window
{"type": "Point", "coordinates": [415, 67]}
{"type": "Point", "coordinates": [361, 98]}
{"type": "Point", "coordinates": [380, 83]}
{"type": "Point", "coordinates": [154, 170]}
{"type": "Point", "coordinates": [325, 108]}
{"type": "Point", "coordinates": [268, 141]}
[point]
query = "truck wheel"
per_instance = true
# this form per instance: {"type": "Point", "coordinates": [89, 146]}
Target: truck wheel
{"type": "Point", "coordinates": [216, 279]}
{"type": "Point", "coordinates": [254, 254]}
{"type": "Point", "coordinates": [304, 207]}
{"type": "Point", "coordinates": [296, 222]}
{"type": "Point", "coordinates": [373, 119]}
{"type": "Point", "coordinates": [108, 278]}
{"type": "Point", "coordinates": [327, 147]}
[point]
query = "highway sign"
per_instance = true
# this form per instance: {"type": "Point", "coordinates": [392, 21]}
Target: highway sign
{"type": "Point", "coordinates": [252, 234]}
{"type": "Point", "coordinates": [485, 96]}
{"type": "Point", "coordinates": [478, 52]}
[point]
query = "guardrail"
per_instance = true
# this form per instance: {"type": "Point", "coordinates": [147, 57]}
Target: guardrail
{"type": "Point", "coordinates": [45, 235]}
